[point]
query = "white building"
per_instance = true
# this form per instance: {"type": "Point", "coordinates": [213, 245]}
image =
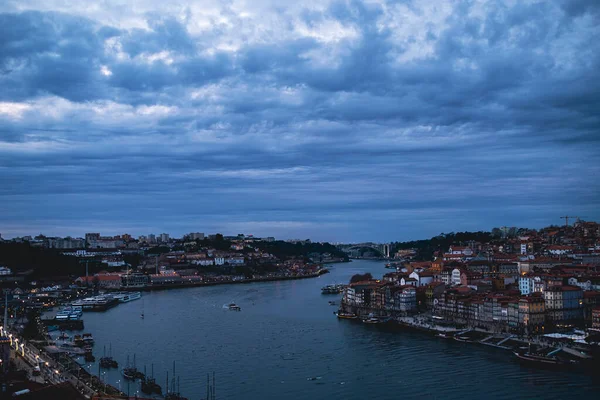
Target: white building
{"type": "Point", "coordinates": [5, 271]}
{"type": "Point", "coordinates": [219, 260]}
{"type": "Point", "coordinates": [455, 278]}
{"type": "Point", "coordinates": [423, 279]}
{"type": "Point", "coordinates": [235, 261]}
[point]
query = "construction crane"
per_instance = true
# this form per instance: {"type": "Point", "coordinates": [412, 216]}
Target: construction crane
{"type": "Point", "coordinates": [566, 218]}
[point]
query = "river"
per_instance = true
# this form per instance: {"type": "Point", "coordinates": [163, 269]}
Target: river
{"type": "Point", "coordinates": [286, 334]}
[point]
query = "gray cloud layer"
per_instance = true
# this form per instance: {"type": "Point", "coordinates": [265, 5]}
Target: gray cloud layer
{"type": "Point", "coordinates": [335, 120]}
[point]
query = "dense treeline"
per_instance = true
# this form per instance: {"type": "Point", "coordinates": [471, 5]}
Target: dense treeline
{"type": "Point", "coordinates": [44, 262]}
{"type": "Point", "coordinates": [425, 248]}
{"type": "Point", "coordinates": [283, 250]}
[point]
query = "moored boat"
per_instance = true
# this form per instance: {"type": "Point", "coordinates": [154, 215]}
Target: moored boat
{"type": "Point", "coordinates": [234, 307]}
{"type": "Point", "coordinates": [332, 289]}
{"type": "Point", "coordinates": [108, 362]}
{"type": "Point", "coordinates": [539, 359]}
{"type": "Point", "coordinates": [342, 315]}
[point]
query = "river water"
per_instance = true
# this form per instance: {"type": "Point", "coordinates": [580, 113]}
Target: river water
{"type": "Point", "coordinates": [286, 334]}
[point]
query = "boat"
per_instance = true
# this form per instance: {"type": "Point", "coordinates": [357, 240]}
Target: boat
{"type": "Point", "coordinates": [346, 315]}
{"type": "Point", "coordinates": [332, 289]}
{"type": "Point", "coordinates": [87, 339]}
{"type": "Point", "coordinates": [332, 303]}
{"type": "Point", "coordinates": [108, 362]}
{"type": "Point", "coordinates": [127, 297]}
{"type": "Point", "coordinates": [372, 320]}
{"type": "Point", "coordinates": [540, 360]}
{"type": "Point", "coordinates": [149, 385]}
{"type": "Point", "coordinates": [63, 336]}
{"type": "Point", "coordinates": [465, 339]}
{"type": "Point", "coordinates": [131, 372]}
{"type": "Point", "coordinates": [234, 307]}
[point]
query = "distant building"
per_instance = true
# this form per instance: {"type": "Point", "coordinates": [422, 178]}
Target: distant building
{"type": "Point", "coordinates": [107, 281]}
{"type": "Point", "coordinates": [164, 237]}
{"type": "Point", "coordinates": [196, 236]}
{"type": "Point", "coordinates": [66, 243]}
{"type": "Point", "coordinates": [134, 280]}
{"type": "Point", "coordinates": [91, 237]}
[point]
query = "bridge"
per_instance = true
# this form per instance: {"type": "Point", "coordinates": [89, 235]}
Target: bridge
{"type": "Point", "coordinates": [383, 248]}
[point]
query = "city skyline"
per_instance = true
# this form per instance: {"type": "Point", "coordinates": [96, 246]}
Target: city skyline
{"type": "Point", "coordinates": [335, 121]}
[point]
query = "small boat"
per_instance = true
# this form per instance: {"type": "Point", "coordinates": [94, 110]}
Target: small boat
{"type": "Point", "coordinates": [87, 339]}
{"type": "Point", "coordinates": [63, 336]}
{"type": "Point", "coordinates": [371, 320]}
{"type": "Point", "coordinates": [347, 316]}
{"type": "Point", "coordinates": [465, 339]}
{"type": "Point", "coordinates": [234, 307]}
{"type": "Point", "coordinates": [332, 303]}
{"type": "Point", "coordinates": [129, 373]}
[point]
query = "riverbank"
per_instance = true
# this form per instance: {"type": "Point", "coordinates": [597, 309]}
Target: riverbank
{"type": "Point", "coordinates": [577, 352]}
{"type": "Point", "coordinates": [148, 288]}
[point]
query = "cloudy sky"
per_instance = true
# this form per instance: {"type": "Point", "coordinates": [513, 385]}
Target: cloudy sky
{"type": "Point", "coordinates": [334, 120]}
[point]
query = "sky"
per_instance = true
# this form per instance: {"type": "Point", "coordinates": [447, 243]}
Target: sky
{"type": "Point", "coordinates": [340, 121]}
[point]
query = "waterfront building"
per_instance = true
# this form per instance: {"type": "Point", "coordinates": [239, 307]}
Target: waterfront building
{"type": "Point", "coordinates": [596, 318]}
{"type": "Point", "coordinates": [128, 280]}
{"type": "Point", "coordinates": [563, 303]}
{"type": "Point", "coordinates": [165, 278]}
{"type": "Point", "coordinates": [513, 314]}
{"type": "Point", "coordinates": [591, 300]}
{"type": "Point", "coordinates": [532, 313]}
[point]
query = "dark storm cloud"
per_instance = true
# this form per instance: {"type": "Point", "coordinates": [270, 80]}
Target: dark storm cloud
{"type": "Point", "coordinates": [340, 121]}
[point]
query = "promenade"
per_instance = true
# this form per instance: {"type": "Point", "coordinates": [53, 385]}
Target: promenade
{"type": "Point", "coordinates": [27, 357]}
